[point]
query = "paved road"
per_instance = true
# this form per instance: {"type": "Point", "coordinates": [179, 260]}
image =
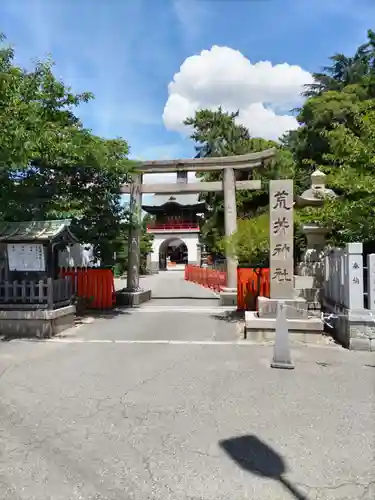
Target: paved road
{"type": "Point", "coordinates": [111, 411]}
{"type": "Point", "coordinates": [169, 288]}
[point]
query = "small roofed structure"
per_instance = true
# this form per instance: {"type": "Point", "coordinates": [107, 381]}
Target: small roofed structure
{"type": "Point", "coordinates": [30, 248]}
{"type": "Point", "coordinates": [28, 264]}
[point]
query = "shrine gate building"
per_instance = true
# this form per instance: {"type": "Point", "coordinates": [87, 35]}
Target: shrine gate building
{"type": "Point", "coordinates": [175, 228]}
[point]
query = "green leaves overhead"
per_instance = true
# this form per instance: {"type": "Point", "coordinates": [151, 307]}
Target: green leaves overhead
{"type": "Point", "coordinates": [216, 133]}
{"type": "Point", "coordinates": [50, 165]}
{"type": "Point", "coordinates": [336, 135]}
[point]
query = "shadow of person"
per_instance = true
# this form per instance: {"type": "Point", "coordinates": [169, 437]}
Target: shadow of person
{"type": "Point", "coordinates": [255, 456]}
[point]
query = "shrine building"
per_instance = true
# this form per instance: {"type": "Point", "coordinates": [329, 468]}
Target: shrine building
{"type": "Point", "coordinates": [175, 228]}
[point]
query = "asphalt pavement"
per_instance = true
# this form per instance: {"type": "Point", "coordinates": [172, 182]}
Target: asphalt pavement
{"type": "Point", "coordinates": [166, 402]}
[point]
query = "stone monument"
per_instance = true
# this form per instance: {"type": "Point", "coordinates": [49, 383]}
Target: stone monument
{"type": "Point", "coordinates": [262, 323]}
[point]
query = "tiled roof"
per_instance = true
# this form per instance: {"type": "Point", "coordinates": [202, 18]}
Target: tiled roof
{"type": "Point", "coordinates": [33, 230]}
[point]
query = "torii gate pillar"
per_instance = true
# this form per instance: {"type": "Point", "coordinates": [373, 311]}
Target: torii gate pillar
{"type": "Point", "coordinates": [229, 294]}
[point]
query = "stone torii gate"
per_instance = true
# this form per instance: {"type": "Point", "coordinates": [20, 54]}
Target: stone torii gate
{"type": "Point", "coordinates": [133, 295]}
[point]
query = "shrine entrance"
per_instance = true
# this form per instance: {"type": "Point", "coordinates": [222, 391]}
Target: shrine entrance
{"type": "Point", "coordinates": [228, 185]}
{"type": "Point", "coordinates": [173, 254]}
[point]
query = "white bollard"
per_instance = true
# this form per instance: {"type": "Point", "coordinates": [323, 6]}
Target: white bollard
{"type": "Point", "coordinates": [281, 351]}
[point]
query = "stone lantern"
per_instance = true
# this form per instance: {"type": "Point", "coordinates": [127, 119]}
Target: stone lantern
{"type": "Point", "coordinates": [309, 279]}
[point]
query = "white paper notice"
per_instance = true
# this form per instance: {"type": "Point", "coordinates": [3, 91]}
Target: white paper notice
{"type": "Point", "coordinates": [22, 257]}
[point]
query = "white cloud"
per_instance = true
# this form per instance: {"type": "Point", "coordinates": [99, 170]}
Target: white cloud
{"type": "Point", "coordinates": [263, 93]}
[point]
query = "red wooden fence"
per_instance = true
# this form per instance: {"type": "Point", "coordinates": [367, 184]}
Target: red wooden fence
{"type": "Point", "coordinates": [251, 283]}
{"type": "Point", "coordinates": [96, 285]}
{"type": "Point", "coordinates": [209, 278]}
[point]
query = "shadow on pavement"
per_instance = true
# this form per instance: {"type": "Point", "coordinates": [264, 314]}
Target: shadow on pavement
{"type": "Point", "coordinates": [108, 314]}
{"type": "Point", "coordinates": [255, 456]}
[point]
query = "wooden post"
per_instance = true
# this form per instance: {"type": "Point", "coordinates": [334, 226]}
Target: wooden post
{"type": "Point", "coordinates": [40, 291]}
{"type": "Point", "coordinates": [23, 289]}
{"type": "Point", "coordinates": [50, 293]}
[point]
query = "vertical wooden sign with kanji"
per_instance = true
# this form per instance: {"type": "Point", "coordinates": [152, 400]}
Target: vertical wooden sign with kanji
{"type": "Point", "coordinates": [281, 239]}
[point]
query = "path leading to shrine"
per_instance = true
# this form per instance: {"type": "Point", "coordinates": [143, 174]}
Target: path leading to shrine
{"type": "Point", "coordinates": [170, 289]}
{"type": "Point", "coordinates": [179, 311]}
{"type": "Point", "coordinates": [167, 405]}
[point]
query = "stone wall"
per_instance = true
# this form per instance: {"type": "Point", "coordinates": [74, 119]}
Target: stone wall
{"type": "Point", "coordinates": [347, 318]}
{"type": "Point", "coordinates": [40, 323]}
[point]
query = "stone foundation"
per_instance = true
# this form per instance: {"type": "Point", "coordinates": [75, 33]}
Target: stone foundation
{"type": "Point", "coordinates": [353, 329]}
{"type": "Point", "coordinates": [296, 308]}
{"type": "Point", "coordinates": [307, 330]}
{"type": "Point", "coordinates": [228, 297]}
{"type": "Point", "coordinates": [132, 299]}
{"type": "Point", "coordinates": [308, 288]}
{"type": "Point", "coordinates": [41, 323]}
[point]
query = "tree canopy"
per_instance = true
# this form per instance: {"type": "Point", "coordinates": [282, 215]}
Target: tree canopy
{"type": "Point", "coordinates": [217, 133]}
{"type": "Point", "coordinates": [51, 166]}
{"type": "Point", "coordinates": [336, 134]}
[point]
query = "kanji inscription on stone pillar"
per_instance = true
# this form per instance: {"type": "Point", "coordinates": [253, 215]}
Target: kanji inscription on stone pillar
{"type": "Point", "coordinates": [281, 239]}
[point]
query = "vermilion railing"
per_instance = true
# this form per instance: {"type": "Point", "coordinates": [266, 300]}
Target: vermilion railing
{"type": "Point", "coordinates": [209, 278]}
{"type": "Point", "coordinates": [96, 285]}
{"type": "Point", "coordinates": [173, 225]}
{"type": "Point", "coordinates": [251, 283]}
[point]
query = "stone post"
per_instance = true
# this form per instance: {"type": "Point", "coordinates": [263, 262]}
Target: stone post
{"type": "Point", "coordinates": [354, 276]}
{"type": "Point", "coordinates": [230, 223]}
{"type": "Point", "coordinates": [204, 256]}
{"type": "Point", "coordinates": [281, 239]}
{"type": "Point", "coordinates": [134, 234]}
{"type": "Point", "coordinates": [199, 254]}
{"type": "Point", "coordinates": [281, 255]}
{"type": "Point", "coordinates": [371, 281]}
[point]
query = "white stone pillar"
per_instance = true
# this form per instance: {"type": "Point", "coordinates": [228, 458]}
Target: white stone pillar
{"type": "Point", "coordinates": [134, 233]}
{"type": "Point", "coordinates": [354, 276]}
{"type": "Point", "coordinates": [371, 281]}
{"type": "Point", "coordinates": [230, 222]}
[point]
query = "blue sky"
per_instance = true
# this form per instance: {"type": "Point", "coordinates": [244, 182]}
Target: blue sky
{"type": "Point", "coordinates": [127, 52]}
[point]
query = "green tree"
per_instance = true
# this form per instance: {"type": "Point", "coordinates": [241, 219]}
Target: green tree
{"type": "Point", "coordinates": [346, 70]}
{"type": "Point", "coordinates": [50, 165]}
{"type": "Point", "coordinates": [336, 135]}
{"type": "Point", "coordinates": [216, 133]}
{"type": "Point", "coordinates": [250, 243]}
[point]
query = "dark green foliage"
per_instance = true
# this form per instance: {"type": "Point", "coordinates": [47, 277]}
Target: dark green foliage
{"type": "Point", "coordinates": [51, 167]}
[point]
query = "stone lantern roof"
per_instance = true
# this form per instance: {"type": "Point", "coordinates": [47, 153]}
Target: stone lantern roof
{"type": "Point", "coordinates": [315, 195]}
